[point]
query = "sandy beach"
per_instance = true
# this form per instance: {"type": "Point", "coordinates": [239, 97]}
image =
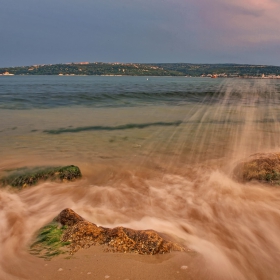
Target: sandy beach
{"type": "Point", "coordinates": [94, 263]}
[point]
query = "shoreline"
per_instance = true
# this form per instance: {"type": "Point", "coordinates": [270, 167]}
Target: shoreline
{"type": "Point", "coordinates": [179, 76]}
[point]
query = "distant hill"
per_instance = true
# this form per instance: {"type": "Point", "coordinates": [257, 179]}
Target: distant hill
{"type": "Point", "coordinates": [231, 70]}
{"type": "Point", "coordinates": [140, 69]}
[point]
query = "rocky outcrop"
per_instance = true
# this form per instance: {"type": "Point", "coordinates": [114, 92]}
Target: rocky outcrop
{"type": "Point", "coordinates": [76, 233]}
{"type": "Point", "coordinates": [263, 167]}
{"type": "Point", "coordinates": [68, 217]}
{"type": "Point", "coordinates": [25, 177]}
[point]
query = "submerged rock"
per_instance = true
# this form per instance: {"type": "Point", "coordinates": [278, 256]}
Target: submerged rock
{"type": "Point", "coordinates": [75, 232]}
{"type": "Point", "coordinates": [263, 167]}
{"type": "Point", "coordinates": [24, 177]}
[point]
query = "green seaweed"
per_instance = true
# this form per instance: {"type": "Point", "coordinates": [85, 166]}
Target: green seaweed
{"type": "Point", "coordinates": [24, 177]}
{"type": "Point", "coordinates": [48, 241]}
{"type": "Point", "coordinates": [111, 128]}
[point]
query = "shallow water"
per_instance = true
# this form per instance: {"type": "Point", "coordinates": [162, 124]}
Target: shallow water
{"type": "Point", "coordinates": [156, 153]}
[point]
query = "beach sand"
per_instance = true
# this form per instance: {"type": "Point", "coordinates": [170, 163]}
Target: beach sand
{"type": "Point", "coordinates": [94, 263]}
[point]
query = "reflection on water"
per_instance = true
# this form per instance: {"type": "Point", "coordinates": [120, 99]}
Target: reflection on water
{"type": "Point", "coordinates": [170, 170]}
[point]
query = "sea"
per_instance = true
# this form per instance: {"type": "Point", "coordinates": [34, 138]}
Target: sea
{"type": "Point", "coordinates": [155, 153]}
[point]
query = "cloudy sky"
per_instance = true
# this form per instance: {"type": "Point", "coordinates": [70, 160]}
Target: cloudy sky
{"type": "Point", "coordinates": [195, 31]}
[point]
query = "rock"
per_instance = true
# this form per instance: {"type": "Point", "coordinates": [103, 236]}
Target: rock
{"type": "Point", "coordinates": [263, 167]}
{"type": "Point", "coordinates": [24, 177]}
{"type": "Point", "coordinates": [68, 217]}
{"type": "Point", "coordinates": [76, 233]}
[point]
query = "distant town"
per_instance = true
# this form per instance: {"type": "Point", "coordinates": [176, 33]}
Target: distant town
{"type": "Point", "coordinates": [151, 69]}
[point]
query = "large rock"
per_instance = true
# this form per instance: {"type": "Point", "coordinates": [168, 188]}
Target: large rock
{"type": "Point", "coordinates": [31, 176]}
{"type": "Point", "coordinates": [75, 232]}
{"type": "Point", "coordinates": [263, 167]}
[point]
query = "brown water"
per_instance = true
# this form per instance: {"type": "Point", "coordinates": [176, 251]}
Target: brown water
{"type": "Point", "coordinates": [171, 171]}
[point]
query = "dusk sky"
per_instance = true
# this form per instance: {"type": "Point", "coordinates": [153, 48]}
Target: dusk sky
{"type": "Point", "coordinates": [195, 31]}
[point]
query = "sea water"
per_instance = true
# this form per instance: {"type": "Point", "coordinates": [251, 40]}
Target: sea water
{"type": "Point", "coordinates": [155, 153]}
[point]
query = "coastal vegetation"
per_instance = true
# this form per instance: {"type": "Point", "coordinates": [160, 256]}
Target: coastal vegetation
{"type": "Point", "coordinates": [140, 69]}
{"type": "Point", "coordinates": [97, 68]}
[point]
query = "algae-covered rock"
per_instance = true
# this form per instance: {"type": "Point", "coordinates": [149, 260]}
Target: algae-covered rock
{"type": "Point", "coordinates": [78, 233]}
{"type": "Point", "coordinates": [24, 177]}
{"type": "Point", "coordinates": [262, 167]}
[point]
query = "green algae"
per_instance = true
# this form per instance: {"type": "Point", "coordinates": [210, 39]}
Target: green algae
{"type": "Point", "coordinates": [48, 241]}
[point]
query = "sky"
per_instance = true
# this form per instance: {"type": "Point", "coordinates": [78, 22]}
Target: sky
{"type": "Point", "coordinates": [143, 31]}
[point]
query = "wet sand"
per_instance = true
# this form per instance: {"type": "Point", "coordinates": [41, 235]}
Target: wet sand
{"type": "Point", "coordinates": [94, 263]}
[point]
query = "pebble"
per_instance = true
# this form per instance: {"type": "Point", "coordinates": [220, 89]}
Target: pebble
{"type": "Point", "coordinates": [184, 267]}
{"type": "Point", "coordinates": [107, 276]}
{"type": "Point", "coordinates": [60, 269]}
{"type": "Point", "coordinates": [89, 272]}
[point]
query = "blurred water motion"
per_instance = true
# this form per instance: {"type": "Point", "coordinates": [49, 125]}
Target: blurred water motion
{"type": "Point", "coordinates": [163, 159]}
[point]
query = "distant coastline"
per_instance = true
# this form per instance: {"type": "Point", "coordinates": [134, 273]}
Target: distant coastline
{"type": "Point", "coordinates": [143, 69]}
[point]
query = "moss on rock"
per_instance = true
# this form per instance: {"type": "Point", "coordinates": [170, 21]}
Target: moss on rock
{"type": "Point", "coordinates": [48, 242]}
